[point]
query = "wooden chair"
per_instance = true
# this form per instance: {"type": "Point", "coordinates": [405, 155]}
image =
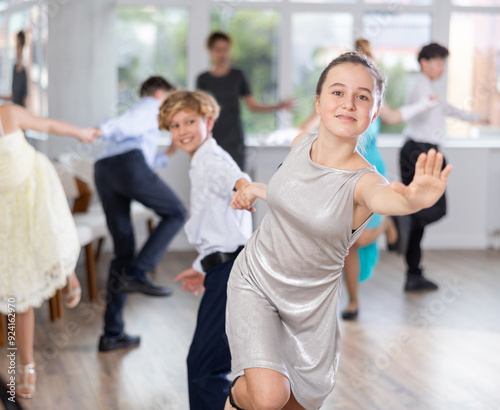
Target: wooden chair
{"type": "Point", "coordinates": [90, 213]}
{"type": "Point", "coordinates": [89, 229]}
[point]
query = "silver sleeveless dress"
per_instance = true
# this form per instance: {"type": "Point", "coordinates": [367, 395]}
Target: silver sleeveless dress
{"type": "Point", "coordinates": [284, 288]}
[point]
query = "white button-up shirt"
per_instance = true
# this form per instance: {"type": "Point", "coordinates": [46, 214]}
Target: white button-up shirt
{"type": "Point", "coordinates": [429, 126]}
{"type": "Point", "coordinates": [213, 225]}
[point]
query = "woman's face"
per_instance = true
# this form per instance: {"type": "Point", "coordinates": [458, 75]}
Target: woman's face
{"type": "Point", "coordinates": [219, 53]}
{"type": "Point", "coordinates": [347, 104]}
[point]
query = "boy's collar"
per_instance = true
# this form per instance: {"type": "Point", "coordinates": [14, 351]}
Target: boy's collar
{"type": "Point", "coordinates": [209, 143]}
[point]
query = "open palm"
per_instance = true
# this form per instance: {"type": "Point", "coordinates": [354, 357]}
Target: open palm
{"type": "Point", "coordinates": [429, 182]}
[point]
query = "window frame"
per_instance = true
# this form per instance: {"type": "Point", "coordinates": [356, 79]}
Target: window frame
{"type": "Point", "coordinates": [198, 61]}
{"type": "Point", "coordinates": [199, 12]}
{"type": "Point", "coordinates": [14, 7]}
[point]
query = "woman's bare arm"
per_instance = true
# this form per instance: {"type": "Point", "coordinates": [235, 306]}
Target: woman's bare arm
{"type": "Point", "coordinates": [426, 188]}
{"type": "Point", "coordinates": [25, 120]}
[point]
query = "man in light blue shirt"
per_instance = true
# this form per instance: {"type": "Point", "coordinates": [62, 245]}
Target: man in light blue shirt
{"type": "Point", "coordinates": [124, 172]}
{"type": "Point", "coordinates": [136, 128]}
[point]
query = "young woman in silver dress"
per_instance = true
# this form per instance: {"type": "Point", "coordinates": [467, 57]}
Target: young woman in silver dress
{"type": "Point", "coordinates": [284, 289]}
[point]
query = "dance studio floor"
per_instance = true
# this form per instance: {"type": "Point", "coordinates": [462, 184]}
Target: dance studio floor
{"type": "Point", "coordinates": [437, 350]}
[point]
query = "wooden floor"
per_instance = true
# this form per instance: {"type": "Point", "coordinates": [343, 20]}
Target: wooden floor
{"type": "Point", "coordinates": [437, 350]}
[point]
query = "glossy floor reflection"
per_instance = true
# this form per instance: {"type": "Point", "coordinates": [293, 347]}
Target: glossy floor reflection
{"type": "Point", "coordinates": [436, 350]}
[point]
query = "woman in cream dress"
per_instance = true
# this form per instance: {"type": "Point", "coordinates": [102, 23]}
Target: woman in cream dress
{"type": "Point", "coordinates": [38, 240]}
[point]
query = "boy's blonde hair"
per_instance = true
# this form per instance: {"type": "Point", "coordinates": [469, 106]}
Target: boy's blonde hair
{"type": "Point", "coordinates": [199, 102]}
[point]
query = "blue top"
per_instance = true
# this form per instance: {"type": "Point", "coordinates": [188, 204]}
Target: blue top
{"type": "Point", "coordinates": [368, 146]}
{"type": "Point", "coordinates": [368, 255]}
{"type": "Point", "coordinates": [136, 128]}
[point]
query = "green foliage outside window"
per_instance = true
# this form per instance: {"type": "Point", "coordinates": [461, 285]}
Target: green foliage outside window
{"type": "Point", "coordinates": [150, 41]}
{"type": "Point", "coordinates": [397, 83]}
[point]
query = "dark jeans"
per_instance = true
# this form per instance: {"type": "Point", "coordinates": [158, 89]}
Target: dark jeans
{"type": "Point", "coordinates": [407, 160]}
{"type": "Point", "coordinates": [119, 180]}
{"type": "Point", "coordinates": [209, 358]}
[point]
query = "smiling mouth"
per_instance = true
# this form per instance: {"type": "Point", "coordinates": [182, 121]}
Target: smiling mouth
{"type": "Point", "coordinates": [186, 140]}
{"type": "Point", "coordinates": [346, 117]}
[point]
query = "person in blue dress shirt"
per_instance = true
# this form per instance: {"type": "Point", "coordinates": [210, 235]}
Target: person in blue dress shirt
{"type": "Point", "coordinates": [218, 233]}
{"type": "Point", "coordinates": [124, 171]}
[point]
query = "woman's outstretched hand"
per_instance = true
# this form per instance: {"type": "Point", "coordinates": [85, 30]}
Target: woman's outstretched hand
{"type": "Point", "coordinates": [89, 134]}
{"type": "Point", "coordinates": [429, 182]}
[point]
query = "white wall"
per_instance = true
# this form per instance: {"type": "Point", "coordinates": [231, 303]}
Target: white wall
{"type": "Point", "coordinates": [468, 198]}
{"type": "Point", "coordinates": [82, 68]}
{"type": "Point", "coordinates": [473, 219]}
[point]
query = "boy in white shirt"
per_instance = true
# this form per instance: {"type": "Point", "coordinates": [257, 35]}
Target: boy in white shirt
{"type": "Point", "coordinates": [423, 132]}
{"type": "Point", "coordinates": [216, 230]}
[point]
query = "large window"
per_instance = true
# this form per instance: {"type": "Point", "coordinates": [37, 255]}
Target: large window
{"type": "Point", "coordinates": [317, 38]}
{"type": "Point", "coordinates": [37, 28]}
{"type": "Point", "coordinates": [473, 3]}
{"type": "Point", "coordinates": [396, 40]}
{"type": "Point", "coordinates": [33, 22]}
{"type": "Point", "coordinates": [150, 41]}
{"type": "Point", "coordinates": [397, 4]}
{"type": "Point", "coordinates": [324, 1]}
{"type": "Point", "coordinates": [474, 68]}
{"type": "Point", "coordinates": [282, 46]}
{"type": "Point", "coordinates": [4, 56]}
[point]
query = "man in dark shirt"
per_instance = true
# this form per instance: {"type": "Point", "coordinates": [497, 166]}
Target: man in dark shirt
{"type": "Point", "coordinates": [227, 84]}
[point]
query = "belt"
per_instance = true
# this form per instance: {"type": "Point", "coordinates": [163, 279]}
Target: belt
{"type": "Point", "coordinates": [216, 258]}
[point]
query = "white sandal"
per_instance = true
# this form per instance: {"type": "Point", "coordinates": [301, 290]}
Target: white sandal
{"type": "Point", "coordinates": [72, 297]}
{"type": "Point", "coordinates": [24, 371]}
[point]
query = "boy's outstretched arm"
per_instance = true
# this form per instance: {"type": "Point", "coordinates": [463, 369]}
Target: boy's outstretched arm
{"type": "Point", "coordinates": [427, 186]}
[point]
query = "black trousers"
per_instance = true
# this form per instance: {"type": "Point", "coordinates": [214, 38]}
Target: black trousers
{"type": "Point", "coordinates": [209, 358]}
{"type": "Point", "coordinates": [407, 160]}
{"type": "Point", "coordinates": [119, 180]}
